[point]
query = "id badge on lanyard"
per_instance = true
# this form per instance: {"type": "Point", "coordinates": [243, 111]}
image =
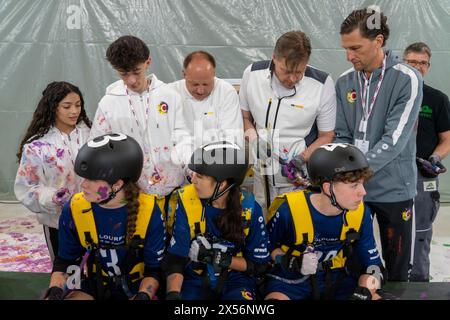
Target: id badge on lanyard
{"type": "Point", "coordinates": [362, 145]}
{"type": "Point", "coordinates": [367, 105]}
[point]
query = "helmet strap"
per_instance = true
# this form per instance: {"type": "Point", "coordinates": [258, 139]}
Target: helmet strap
{"type": "Point", "coordinates": [112, 194]}
{"type": "Point", "coordinates": [332, 198]}
{"type": "Point", "coordinates": [216, 195]}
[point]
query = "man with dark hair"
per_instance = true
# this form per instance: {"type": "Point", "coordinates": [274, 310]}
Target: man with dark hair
{"type": "Point", "coordinates": [289, 109]}
{"type": "Point", "coordinates": [377, 107]}
{"type": "Point", "coordinates": [433, 145]}
{"type": "Point", "coordinates": [212, 104]}
{"type": "Point", "coordinates": [146, 109]}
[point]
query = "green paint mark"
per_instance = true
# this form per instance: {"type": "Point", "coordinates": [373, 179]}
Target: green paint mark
{"type": "Point", "coordinates": [446, 244]}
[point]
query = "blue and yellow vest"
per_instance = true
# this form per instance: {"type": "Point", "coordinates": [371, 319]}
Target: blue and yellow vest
{"type": "Point", "coordinates": [304, 228]}
{"type": "Point", "coordinates": [194, 209]}
{"type": "Point", "coordinates": [83, 217]}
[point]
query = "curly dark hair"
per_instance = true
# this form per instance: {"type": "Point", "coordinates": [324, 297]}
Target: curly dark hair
{"type": "Point", "coordinates": [346, 177]}
{"type": "Point", "coordinates": [127, 52]}
{"type": "Point", "coordinates": [362, 19]}
{"type": "Point", "coordinates": [230, 222]}
{"type": "Point", "coordinates": [44, 115]}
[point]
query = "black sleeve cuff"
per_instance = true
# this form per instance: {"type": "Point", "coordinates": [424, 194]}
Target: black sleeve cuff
{"type": "Point", "coordinates": [61, 265]}
{"type": "Point", "coordinates": [173, 263]}
{"type": "Point", "coordinates": [155, 273]}
{"type": "Point", "coordinates": [255, 269]}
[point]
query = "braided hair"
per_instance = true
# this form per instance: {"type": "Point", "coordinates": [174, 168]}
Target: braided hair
{"type": "Point", "coordinates": [132, 191]}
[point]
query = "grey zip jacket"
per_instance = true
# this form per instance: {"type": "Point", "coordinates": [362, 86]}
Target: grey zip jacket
{"type": "Point", "coordinates": [391, 128]}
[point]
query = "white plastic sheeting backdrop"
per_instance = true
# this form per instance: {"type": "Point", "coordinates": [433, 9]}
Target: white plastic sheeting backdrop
{"type": "Point", "coordinates": [48, 40]}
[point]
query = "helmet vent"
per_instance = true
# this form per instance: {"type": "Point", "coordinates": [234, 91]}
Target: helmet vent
{"type": "Point", "coordinates": [351, 158]}
{"type": "Point", "coordinates": [83, 166]}
{"type": "Point", "coordinates": [111, 146]}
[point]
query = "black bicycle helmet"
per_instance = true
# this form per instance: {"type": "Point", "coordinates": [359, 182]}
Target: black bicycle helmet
{"type": "Point", "coordinates": [110, 157]}
{"type": "Point", "coordinates": [221, 160]}
{"type": "Point", "coordinates": [333, 158]}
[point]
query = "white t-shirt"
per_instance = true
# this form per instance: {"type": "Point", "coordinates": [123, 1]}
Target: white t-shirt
{"type": "Point", "coordinates": [217, 117]}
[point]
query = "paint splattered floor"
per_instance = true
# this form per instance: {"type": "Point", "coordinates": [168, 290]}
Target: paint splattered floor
{"type": "Point", "coordinates": [22, 243]}
{"type": "Point", "coordinates": [23, 248]}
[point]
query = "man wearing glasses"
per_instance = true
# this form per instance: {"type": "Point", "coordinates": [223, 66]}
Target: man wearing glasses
{"type": "Point", "coordinates": [433, 145]}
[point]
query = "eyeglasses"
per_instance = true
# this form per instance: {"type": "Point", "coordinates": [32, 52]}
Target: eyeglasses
{"type": "Point", "coordinates": [418, 63]}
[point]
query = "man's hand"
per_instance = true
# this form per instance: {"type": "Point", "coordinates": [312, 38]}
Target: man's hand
{"type": "Point", "coordinates": [435, 160]}
{"type": "Point", "coordinates": [428, 169]}
{"type": "Point", "coordinates": [293, 171]}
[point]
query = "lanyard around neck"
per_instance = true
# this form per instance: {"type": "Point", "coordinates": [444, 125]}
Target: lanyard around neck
{"type": "Point", "coordinates": [368, 107]}
{"type": "Point", "coordinates": [144, 127]}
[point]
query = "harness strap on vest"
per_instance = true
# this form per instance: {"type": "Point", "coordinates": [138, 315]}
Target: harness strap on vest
{"type": "Point", "coordinates": [304, 229]}
{"type": "Point", "coordinates": [194, 208]}
{"type": "Point", "coordinates": [194, 211]}
{"type": "Point", "coordinates": [85, 225]}
{"type": "Point", "coordinates": [304, 235]}
{"type": "Point", "coordinates": [301, 217]}
{"type": "Point", "coordinates": [171, 208]}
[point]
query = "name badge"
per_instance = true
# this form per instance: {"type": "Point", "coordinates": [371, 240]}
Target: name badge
{"type": "Point", "coordinates": [362, 145]}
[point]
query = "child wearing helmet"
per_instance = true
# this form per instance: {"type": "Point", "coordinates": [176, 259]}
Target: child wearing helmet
{"type": "Point", "coordinates": [111, 229]}
{"type": "Point", "coordinates": [322, 243]}
{"type": "Point", "coordinates": [219, 243]}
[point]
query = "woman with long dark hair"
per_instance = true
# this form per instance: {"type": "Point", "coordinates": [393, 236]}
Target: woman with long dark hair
{"type": "Point", "coordinates": [219, 241]}
{"type": "Point", "coordinates": [110, 229]}
{"type": "Point", "coordinates": [45, 178]}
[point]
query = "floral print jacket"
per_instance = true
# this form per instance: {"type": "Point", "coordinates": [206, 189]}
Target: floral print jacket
{"type": "Point", "coordinates": [46, 167]}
